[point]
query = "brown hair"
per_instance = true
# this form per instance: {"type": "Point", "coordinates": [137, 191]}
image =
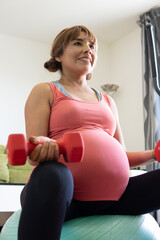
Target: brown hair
{"type": "Point", "coordinates": [61, 42]}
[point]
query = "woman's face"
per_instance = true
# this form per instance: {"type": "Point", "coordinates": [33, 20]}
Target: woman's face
{"type": "Point", "coordinates": [79, 56]}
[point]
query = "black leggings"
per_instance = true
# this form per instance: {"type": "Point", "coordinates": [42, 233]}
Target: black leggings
{"type": "Point", "coordinates": [47, 201]}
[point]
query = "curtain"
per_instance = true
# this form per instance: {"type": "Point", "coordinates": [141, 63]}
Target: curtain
{"type": "Point", "coordinates": [150, 34]}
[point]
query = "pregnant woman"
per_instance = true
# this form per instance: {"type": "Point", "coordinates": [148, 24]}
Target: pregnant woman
{"type": "Point", "coordinates": [58, 191]}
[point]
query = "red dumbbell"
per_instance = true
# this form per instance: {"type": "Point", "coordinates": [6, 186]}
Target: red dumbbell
{"type": "Point", "coordinates": [157, 151]}
{"type": "Point", "coordinates": [71, 146]}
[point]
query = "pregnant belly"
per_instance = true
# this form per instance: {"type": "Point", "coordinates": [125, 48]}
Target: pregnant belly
{"type": "Point", "coordinates": [104, 172]}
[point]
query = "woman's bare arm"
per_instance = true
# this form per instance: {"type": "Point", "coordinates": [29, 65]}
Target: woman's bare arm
{"type": "Point", "coordinates": [37, 115]}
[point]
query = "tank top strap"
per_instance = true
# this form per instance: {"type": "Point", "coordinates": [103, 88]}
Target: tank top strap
{"type": "Point", "coordinates": [62, 89]}
{"type": "Point", "coordinates": [106, 98]}
{"type": "Point", "coordinates": [99, 96]}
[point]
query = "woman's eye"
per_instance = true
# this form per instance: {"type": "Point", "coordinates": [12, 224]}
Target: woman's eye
{"type": "Point", "coordinates": [92, 47]}
{"type": "Point", "coordinates": [77, 43]}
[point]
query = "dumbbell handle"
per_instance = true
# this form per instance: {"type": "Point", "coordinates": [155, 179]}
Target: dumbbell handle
{"type": "Point", "coordinates": [157, 151]}
{"type": "Point", "coordinates": [31, 147]}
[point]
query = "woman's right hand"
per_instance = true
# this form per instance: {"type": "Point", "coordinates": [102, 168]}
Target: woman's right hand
{"type": "Point", "coordinates": [48, 151]}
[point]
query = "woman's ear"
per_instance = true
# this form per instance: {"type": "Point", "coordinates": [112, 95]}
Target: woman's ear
{"type": "Point", "coordinates": [88, 76]}
{"type": "Point", "coordinates": [58, 59]}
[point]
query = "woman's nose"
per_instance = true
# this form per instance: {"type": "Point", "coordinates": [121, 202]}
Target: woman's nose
{"type": "Point", "coordinates": [87, 49]}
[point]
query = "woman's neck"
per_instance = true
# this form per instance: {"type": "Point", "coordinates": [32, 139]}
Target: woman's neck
{"type": "Point", "coordinates": [72, 81]}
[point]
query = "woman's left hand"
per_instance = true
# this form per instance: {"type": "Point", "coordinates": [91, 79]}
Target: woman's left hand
{"type": "Point", "coordinates": [46, 150]}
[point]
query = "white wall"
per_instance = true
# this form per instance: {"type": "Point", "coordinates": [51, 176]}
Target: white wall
{"type": "Point", "coordinates": [126, 71]}
{"type": "Point", "coordinates": [21, 67]}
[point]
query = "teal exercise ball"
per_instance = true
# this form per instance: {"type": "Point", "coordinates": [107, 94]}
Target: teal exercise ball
{"type": "Point", "coordinates": [103, 227]}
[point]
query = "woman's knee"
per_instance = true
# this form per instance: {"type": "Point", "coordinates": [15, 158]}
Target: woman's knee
{"type": "Point", "coordinates": [53, 176]}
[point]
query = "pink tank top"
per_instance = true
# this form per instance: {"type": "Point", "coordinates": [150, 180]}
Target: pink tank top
{"type": "Point", "coordinates": [104, 172]}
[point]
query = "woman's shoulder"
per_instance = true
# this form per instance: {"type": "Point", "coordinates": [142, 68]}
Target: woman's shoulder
{"type": "Point", "coordinates": [107, 98]}
{"type": "Point", "coordinates": [111, 103]}
{"type": "Point", "coordinates": [42, 87]}
{"type": "Point", "coordinates": [41, 92]}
